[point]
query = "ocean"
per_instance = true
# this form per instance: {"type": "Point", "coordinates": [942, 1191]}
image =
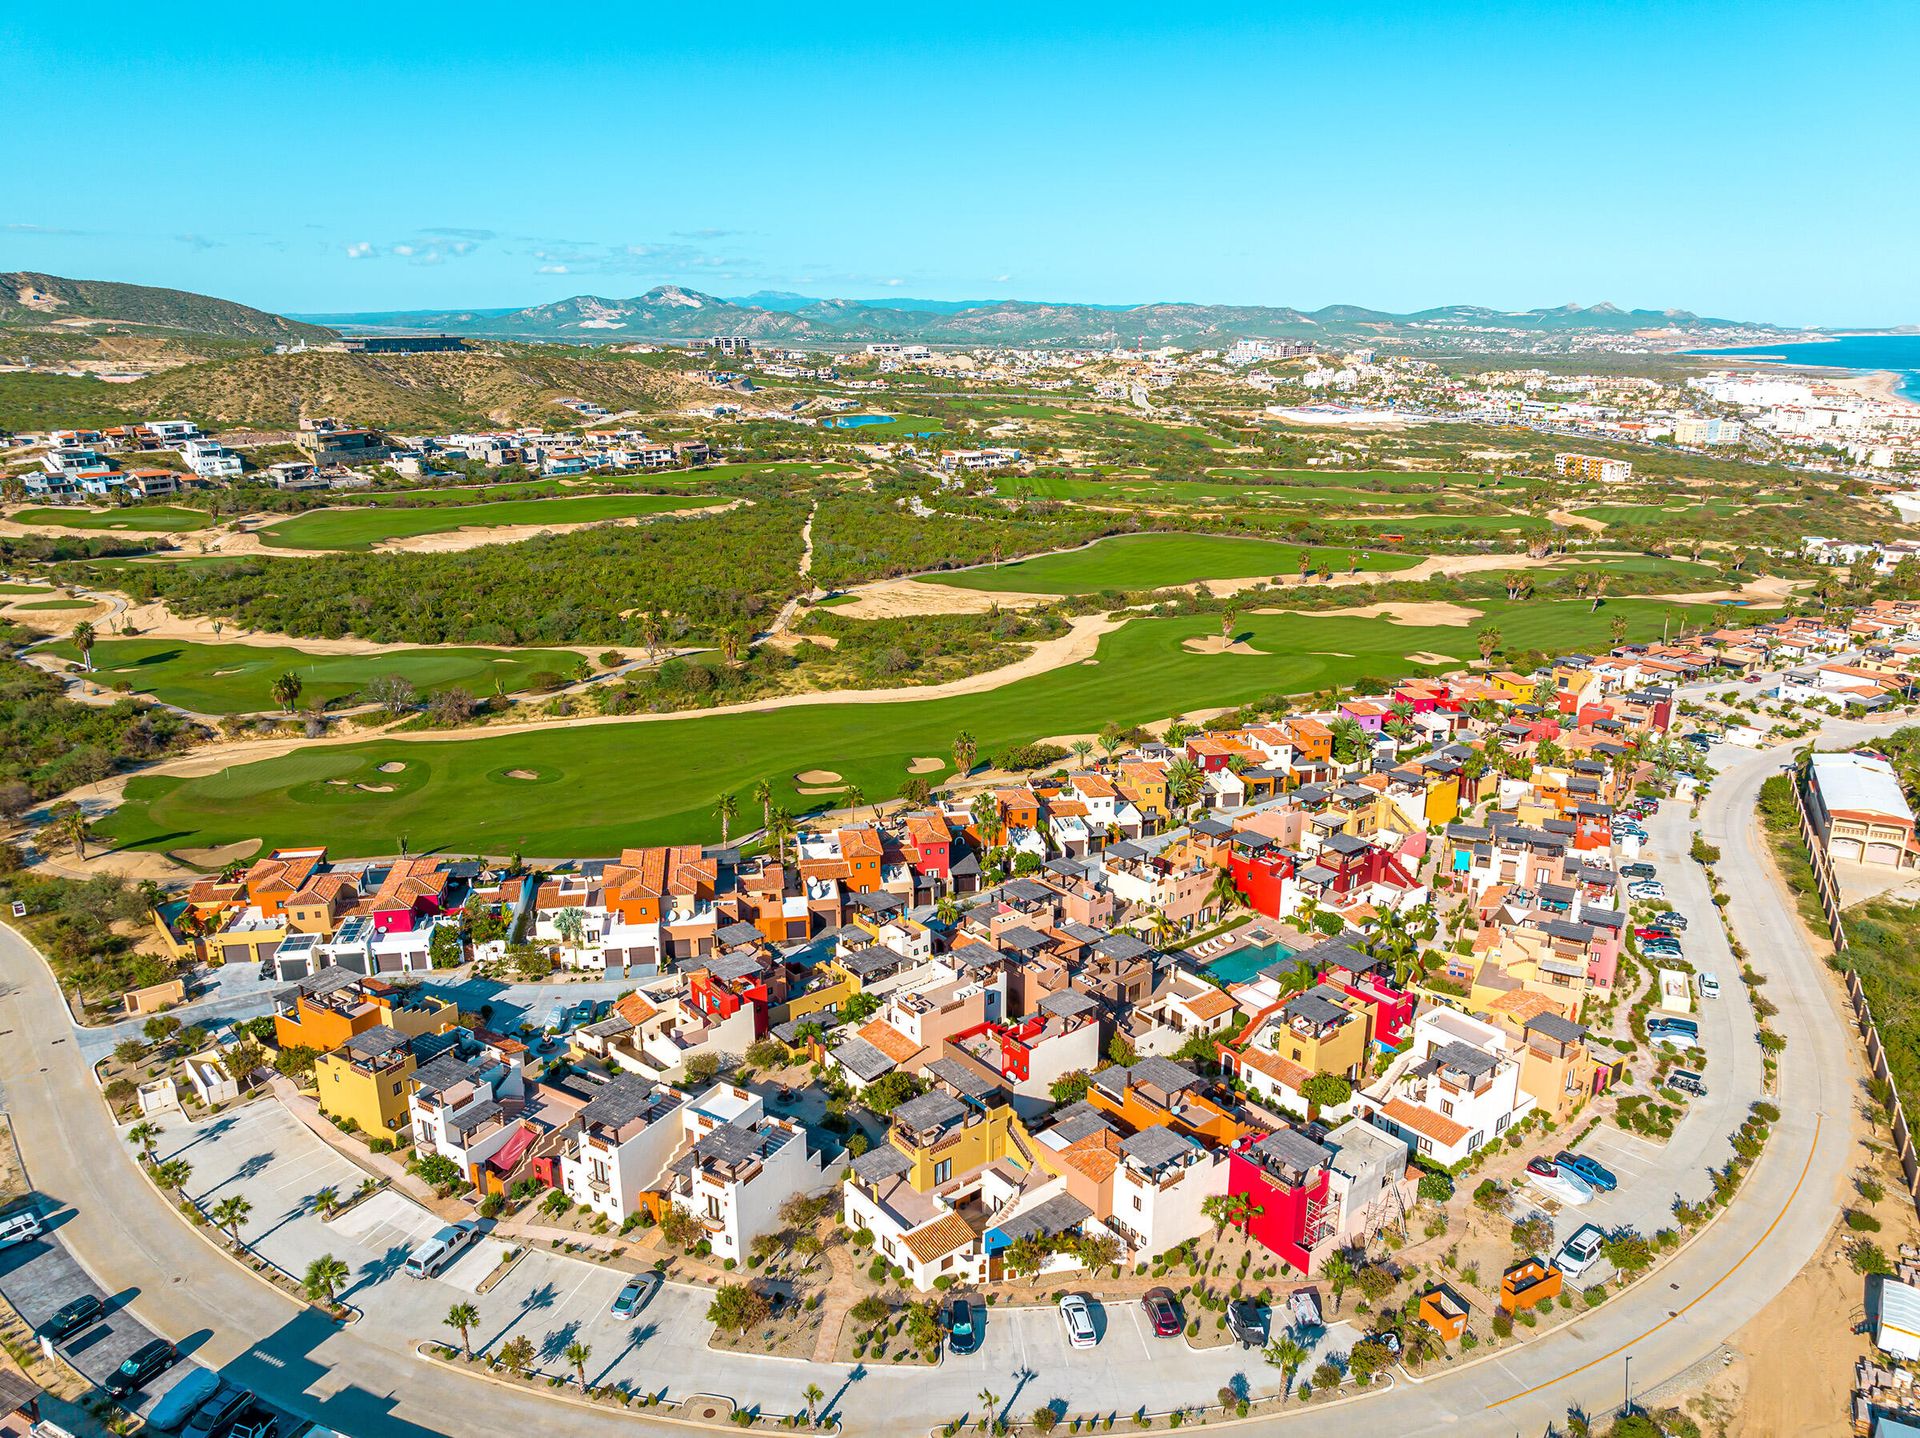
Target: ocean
{"type": "Point", "coordinates": [1857, 354]}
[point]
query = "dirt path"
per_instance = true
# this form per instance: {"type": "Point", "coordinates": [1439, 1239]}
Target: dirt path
{"type": "Point", "coordinates": [1576, 521]}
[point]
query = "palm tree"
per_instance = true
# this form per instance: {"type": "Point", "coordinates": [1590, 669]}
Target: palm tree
{"type": "Point", "coordinates": [83, 637]}
{"type": "Point", "coordinates": [1619, 627]}
{"type": "Point", "coordinates": [570, 925]}
{"type": "Point", "coordinates": [1489, 642]}
{"type": "Point", "coordinates": [985, 813]}
{"type": "Point", "coordinates": [781, 829]}
{"type": "Point", "coordinates": [1287, 1354]}
{"type": "Point", "coordinates": [173, 1175]}
{"type": "Point", "coordinates": [1599, 592]}
{"type": "Point", "coordinates": [145, 1133]}
{"type": "Point", "coordinates": [1112, 738]}
{"type": "Point", "coordinates": [990, 1404]}
{"type": "Point", "coordinates": [855, 796]}
{"type": "Point", "coordinates": [68, 823]}
{"type": "Point", "coordinates": [1081, 749]}
{"type": "Point", "coordinates": [812, 1394]}
{"type": "Point", "coordinates": [229, 1213]}
{"type": "Point", "coordinates": [763, 796]}
{"type": "Point", "coordinates": [286, 691]}
{"type": "Point", "coordinates": [1227, 621]}
{"type": "Point", "coordinates": [577, 1354]}
{"type": "Point", "coordinates": [947, 911]}
{"type": "Point", "coordinates": [325, 1274]}
{"type": "Point", "coordinates": [463, 1316]}
{"type": "Point", "coordinates": [726, 809]}
{"type": "Point", "coordinates": [326, 1201]}
{"type": "Point", "coordinates": [1338, 1271]}
{"type": "Point", "coordinates": [1225, 894]}
{"type": "Point", "coordinates": [1185, 782]}
{"type": "Point", "coordinates": [965, 750]}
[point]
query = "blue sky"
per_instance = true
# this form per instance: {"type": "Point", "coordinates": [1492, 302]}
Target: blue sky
{"type": "Point", "coordinates": [1752, 160]}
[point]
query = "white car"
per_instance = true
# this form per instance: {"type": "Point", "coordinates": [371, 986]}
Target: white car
{"type": "Point", "coordinates": [1647, 889]}
{"type": "Point", "coordinates": [1562, 1184]}
{"type": "Point", "coordinates": [1581, 1251]}
{"type": "Point", "coordinates": [1077, 1315]}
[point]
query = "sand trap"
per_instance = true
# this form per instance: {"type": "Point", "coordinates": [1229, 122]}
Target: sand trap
{"type": "Point", "coordinates": [218, 673]}
{"type": "Point", "coordinates": [926, 766]}
{"type": "Point", "coordinates": [522, 774]}
{"type": "Point", "coordinates": [1214, 644]}
{"type": "Point", "coordinates": [816, 777]}
{"type": "Point", "coordinates": [1423, 657]}
{"type": "Point", "coordinates": [1435, 611]}
{"type": "Point", "coordinates": [217, 858]}
{"type": "Point", "coordinates": [813, 791]}
{"type": "Point", "coordinates": [1089, 663]}
{"type": "Point", "coordinates": [392, 766]}
{"type": "Point", "coordinates": [1332, 654]}
{"type": "Point", "coordinates": [374, 788]}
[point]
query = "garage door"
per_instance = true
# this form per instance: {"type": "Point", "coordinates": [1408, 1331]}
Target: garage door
{"type": "Point", "coordinates": [1888, 854]}
{"type": "Point", "coordinates": [1845, 851]}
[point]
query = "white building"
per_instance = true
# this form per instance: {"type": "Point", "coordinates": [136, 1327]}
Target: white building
{"type": "Point", "coordinates": [739, 1166]}
{"type": "Point", "coordinates": [1456, 1088]}
{"type": "Point", "coordinates": [627, 1135]}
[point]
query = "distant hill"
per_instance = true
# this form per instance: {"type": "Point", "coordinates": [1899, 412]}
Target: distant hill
{"type": "Point", "coordinates": [674, 312]}
{"type": "Point", "coordinates": [27, 298]}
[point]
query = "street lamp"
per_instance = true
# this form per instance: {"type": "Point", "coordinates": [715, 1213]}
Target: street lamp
{"type": "Point", "coordinates": [1627, 1406]}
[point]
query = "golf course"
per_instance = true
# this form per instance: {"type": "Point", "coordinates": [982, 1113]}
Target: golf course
{"type": "Point", "coordinates": [1153, 561]}
{"type": "Point", "coordinates": [588, 789]}
{"type": "Point", "coordinates": [238, 678]}
{"type": "Point", "coordinates": [362, 528]}
{"type": "Point", "coordinates": [134, 518]}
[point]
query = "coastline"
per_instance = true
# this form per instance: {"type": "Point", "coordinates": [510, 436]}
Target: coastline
{"type": "Point", "coordinates": [1897, 385]}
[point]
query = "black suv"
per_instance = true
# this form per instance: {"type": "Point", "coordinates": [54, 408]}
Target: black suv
{"type": "Point", "coordinates": [146, 1362]}
{"type": "Point", "coordinates": [72, 1317]}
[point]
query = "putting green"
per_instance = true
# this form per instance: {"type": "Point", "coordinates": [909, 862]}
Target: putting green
{"type": "Point", "coordinates": [137, 518]}
{"type": "Point", "coordinates": [238, 678]}
{"type": "Point", "coordinates": [1153, 561]}
{"type": "Point", "coordinates": [362, 528]}
{"type": "Point", "coordinates": [666, 775]}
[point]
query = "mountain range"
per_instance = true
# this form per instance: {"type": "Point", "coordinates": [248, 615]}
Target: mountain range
{"type": "Point", "coordinates": [674, 312]}
{"type": "Point", "coordinates": [32, 299]}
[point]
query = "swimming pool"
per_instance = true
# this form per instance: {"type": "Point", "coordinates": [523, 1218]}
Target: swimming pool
{"type": "Point", "coordinates": [855, 421]}
{"type": "Point", "coordinates": [1238, 965]}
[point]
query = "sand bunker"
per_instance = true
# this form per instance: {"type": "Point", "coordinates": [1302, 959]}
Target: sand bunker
{"type": "Point", "coordinates": [816, 777]}
{"type": "Point", "coordinates": [392, 766]}
{"type": "Point", "coordinates": [926, 766]}
{"type": "Point", "coordinates": [814, 791]}
{"type": "Point", "coordinates": [217, 858]}
{"type": "Point", "coordinates": [1423, 657]}
{"type": "Point", "coordinates": [1214, 644]}
{"type": "Point", "coordinates": [374, 788]}
{"type": "Point", "coordinates": [523, 774]}
{"type": "Point", "coordinates": [219, 673]}
{"type": "Point", "coordinates": [1424, 612]}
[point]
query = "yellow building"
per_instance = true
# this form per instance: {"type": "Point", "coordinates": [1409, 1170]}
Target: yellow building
{"type": "Point", "coordinates": [333, 1005]}
{"type": "Point", "coordinates": [1324, 1030]}
{"type": "Point", "coordinates": [365, 1081]}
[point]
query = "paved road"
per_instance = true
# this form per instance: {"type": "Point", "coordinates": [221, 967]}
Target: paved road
{"type": "Point", "coordinates": [358, 1381]}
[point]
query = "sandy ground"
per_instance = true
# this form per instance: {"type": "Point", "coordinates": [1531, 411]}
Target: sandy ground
{"type": "Point", "coordinates": [222, 856]}
{"type": "Point", "coordinates": [816, 776]}
{"type": "Point", "coordinates": [893, 598]}
{"type": "Point", "coordinates": [1425, 657]}
{"type": "Point", "coordinates": [1214, 644]}
{"type": "Point", "coordinates": [926, 766]}
{"type": "Point", "coordinates": [1769, 588]}
{"type": "Point", "coordinates": [155, 621]}
{"type": "Point", "coordinates": [1576, 521]}
{"type": "Point", "coordinates": [1422, 612]}
{"type": "Point", "coordinates": [1797, 1355]}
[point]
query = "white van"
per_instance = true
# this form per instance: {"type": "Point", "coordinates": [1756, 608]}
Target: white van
{"type": "Point", "coordinates": [19, 1227]}
{"type": "Point", "coordinates": [440, 1250]}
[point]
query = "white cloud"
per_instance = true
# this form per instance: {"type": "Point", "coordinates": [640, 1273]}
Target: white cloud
{"type": "Point", "coordinates": [553, 269]}
{"type": "Point", "coordinates": [1002, 279]}
{"type": "Point", "coordinates": [359, 250]}
{"type": "Point", "coordinates": [893, 284]}
{"type": "Point", "coordinates": [403, 250]}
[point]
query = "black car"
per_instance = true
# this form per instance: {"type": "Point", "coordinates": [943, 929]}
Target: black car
{"type": "Point", "coordinates": [963, 1326]}
{"type": "Point", "coordinates": [1247, 1322]}
{"type": "Point", "coordinates": [217, 1412]}
{"type": "Point", "coordinates": [145, 1363]}
{"type": "Point", "coordinates": [72, 1318]}
{"type": "Point", "coordinates": [1637, 871]}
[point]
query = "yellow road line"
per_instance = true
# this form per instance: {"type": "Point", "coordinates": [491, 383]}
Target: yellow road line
{"type": "Point", "coordinates": [1805, 1168]}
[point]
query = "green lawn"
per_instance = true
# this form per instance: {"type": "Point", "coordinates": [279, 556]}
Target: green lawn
{"type": "Point", "coordinates": [24, 589]}
{"type": "Point", "coordinates": [238, 678]}
{"type": "Point", "coordinates": [898, 427]}
{"type": "Point", "coordinates": [1196, 491]}
{"type": "Point", "coordinates": [363, 528]}
{"type": "Point", "coordinates": [1659, 515]}
{"type": "Point", "coordinates": [1415, 523]}
{"type": "Point", "coordinates": [55, 604]}
{"type": "Point", "coordinates": [137, 518]}
{"type": "Point", "coordinates": [662, 778]}
{"type": "Point", "coordinates": [1152, 561]}
{"type": "Point", "coordinates": [1390, 478]}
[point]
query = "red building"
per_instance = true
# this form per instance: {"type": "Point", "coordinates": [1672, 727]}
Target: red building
{"type": "Point", "coordinates": [1370, 981]}
{"type": "Point", "coordinates": [1286, 1180]}
{"type": "Point", "coordinates": [1260, 868]}
{"type": "Point", "coordinates": [726, 983]}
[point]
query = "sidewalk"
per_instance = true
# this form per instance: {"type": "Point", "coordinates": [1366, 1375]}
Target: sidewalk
{"type": "Point", "coordinates": [379, 1165]}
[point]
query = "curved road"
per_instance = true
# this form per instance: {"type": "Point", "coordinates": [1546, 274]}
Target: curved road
{"type": "Point", "coordinates": [363, 1382]}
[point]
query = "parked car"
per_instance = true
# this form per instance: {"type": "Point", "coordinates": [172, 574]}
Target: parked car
{"type": "Point", "coordinates": [1556, 1182]}
{"type": "Point", "coordinates": [218, 1411]}
{"type": "Point", "coordinates": [141, 1366]}
{"type": "Point", "coordinates": [1077, 1316]}
{"type": "Point", "coordinates": [1673, 1024]}
{"type": "Point", "coordinates": [1647, 890]}
{"type": "Point", "coordinates": [437, 1252]}
{"type": "Point", "coordinates": [1651, 932]}
{"type": "Point", "coordinates": [1709, 985]}
{"type": "Point", "coordinates": [179, 1403]}
{"type": "Point", "coordinates": [18, 1227]}
{"type": "Point", "coordinates": [1581, 1250]}
{"type": "Point", "coordinates": [1687, 1081]}
{"type": "Point", "coordinates": [72, 1317]}
{"type": "Point", "coordinates": [1247, 1322]}
{"type": "Point", "coordinates": [1637, 871]}
{"type": "Point", "coordinates": [1304, 1305]}
{"type": "Point", "coordinates": [1162, 1312]}
{"type": "Point", "coordinates": [255, 1424]}
{"type": "Point", "coordinates": [963, 1326]}
{"type": "Point", "coordinates": [1591, 1169]}
{"type": "Point", "coordinates": [635, 1294]}
{"type": "Point", "coordinates": [1672, 920]}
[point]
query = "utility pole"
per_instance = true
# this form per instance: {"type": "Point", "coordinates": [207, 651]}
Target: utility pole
{"type": "Point", "coordinates": [1627, 1406]}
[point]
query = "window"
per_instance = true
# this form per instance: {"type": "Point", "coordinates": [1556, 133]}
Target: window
{"type": "Point", "coordinates": [942, 1171]}
{"type": "Point", "coordinates": [713, 1206]}
{"type": "Point", "coordinates": [1500, 1124]}
{"type": "Point", "coordinates": [1136, 1203]}
{"type": "Point", "coordinates": [1425, 1145]}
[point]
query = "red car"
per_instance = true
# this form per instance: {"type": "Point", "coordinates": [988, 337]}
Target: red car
{"type": "Point", "coordinates": [1162, 1312]}
{"type": "Point", "coordinates": [1544, 1167]}
{"type": "Point", "coordinates": [1650, 932]}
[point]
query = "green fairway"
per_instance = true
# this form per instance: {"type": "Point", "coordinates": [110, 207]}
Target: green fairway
{"type": "Point", "coordinates": [55, 604]}
{"type": "Point", "coordinates": [1654, 516]}
{"type": "Point", "coordinates": [1195, 491]}
{"type": "Point", "coordinates": [1416, 523]}
{"type": "Point", "coordinates": [363, 528]}
{"type": "Point", "coordinates": [900, 426]}
{"type": "Point", "coordinates": [1153, 561]}
{"type": "Point", "coordinates": [135, 518]}
{"type": "Point", "coordinates": [24, 589]}
{"type": "Point", "coordinates": [1387, 478]}
{"type": "Point", "coordinates": [664, 776]}
{"type": "Point", "coordinates": [238, 678]}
